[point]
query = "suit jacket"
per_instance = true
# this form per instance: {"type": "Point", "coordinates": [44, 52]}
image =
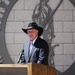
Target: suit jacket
{"type": "Point", "coordinates": [39, 54]}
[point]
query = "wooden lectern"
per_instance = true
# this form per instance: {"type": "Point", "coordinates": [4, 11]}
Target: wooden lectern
{"type": "Point", "coordinates": [28, 69]}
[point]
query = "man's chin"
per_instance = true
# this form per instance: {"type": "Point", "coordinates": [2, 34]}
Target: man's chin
{"type": "Point", "coordinates": [31, 39]}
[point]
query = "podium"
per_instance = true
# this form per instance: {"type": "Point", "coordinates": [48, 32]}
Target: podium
{"type": "Point", "coordinates": [28, 69]}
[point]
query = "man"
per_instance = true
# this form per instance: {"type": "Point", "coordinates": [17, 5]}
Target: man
{"type": "Point", "coordinates": [36, 49]}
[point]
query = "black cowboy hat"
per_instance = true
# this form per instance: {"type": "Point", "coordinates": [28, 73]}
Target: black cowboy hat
{"type": "Point", "coordinates": [35, 26]}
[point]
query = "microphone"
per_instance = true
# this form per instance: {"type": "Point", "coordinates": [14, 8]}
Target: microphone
{"type": "Point", "coordinates": [21, 56]}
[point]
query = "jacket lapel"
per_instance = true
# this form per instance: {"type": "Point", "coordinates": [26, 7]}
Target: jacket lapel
{"type": "Point", "coordinates": [27, 51]}
{"type": "Point", "coordinates": [33, 49]}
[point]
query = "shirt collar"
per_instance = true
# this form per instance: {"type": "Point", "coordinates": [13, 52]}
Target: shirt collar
{"type": "Point", "coordinates": [34, 40]}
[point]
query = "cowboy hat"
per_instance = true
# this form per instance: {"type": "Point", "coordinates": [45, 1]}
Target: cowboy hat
{"type": "Point", "coordinates": [35, 26]}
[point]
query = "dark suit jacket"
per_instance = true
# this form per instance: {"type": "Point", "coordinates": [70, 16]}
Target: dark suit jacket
{"type": "Point", "coordinates": [39, 54]}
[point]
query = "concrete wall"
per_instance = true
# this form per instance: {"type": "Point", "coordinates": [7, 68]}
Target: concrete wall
{"type": "Point", "coordinates": [64, 28]}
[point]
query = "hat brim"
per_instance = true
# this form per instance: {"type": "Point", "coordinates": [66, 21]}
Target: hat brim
{"type": "Point", "coordinates": [40, 29]}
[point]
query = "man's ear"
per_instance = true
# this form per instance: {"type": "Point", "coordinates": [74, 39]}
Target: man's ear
{"type": "Point", "coordinates": [37, 31]}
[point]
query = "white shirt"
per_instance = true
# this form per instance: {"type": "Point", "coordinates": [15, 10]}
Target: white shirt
{"type": "Point", "coordinates": [31, 45]}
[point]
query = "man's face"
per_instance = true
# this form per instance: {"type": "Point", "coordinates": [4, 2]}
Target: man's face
{"type": "Point", "coordinates": [32, 33]}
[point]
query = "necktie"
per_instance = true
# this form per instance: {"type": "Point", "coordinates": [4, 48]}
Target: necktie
{"type": "Point", "coordinates": [31, 46]}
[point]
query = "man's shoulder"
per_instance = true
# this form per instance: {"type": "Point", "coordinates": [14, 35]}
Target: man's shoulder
{"type": "Point", "coordinates": [42, 40]}
{"type": "Point", "coordinates": [26, 43]}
